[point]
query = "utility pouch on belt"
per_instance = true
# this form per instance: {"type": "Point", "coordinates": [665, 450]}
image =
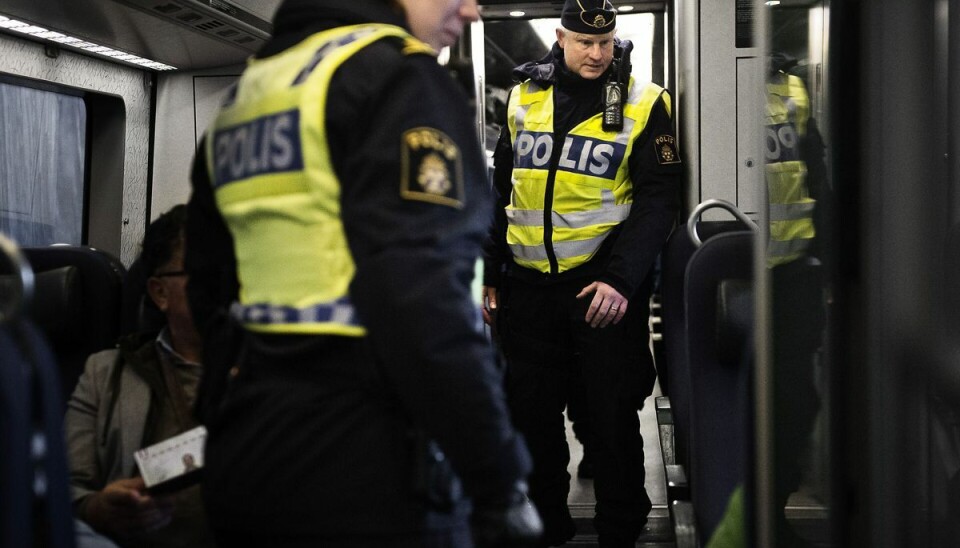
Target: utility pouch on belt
{"type": "Point", "coordinates": [435, 481]}
{"type": "Point", "coordinates": [615, 90]}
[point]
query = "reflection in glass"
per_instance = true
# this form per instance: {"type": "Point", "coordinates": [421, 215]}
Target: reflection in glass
{"type": "Point", "coordinates": [797, 196]}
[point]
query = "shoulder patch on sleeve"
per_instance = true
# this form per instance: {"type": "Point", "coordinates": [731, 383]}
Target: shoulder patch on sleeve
{"type": "Point", "coordinates": [666, 147]}
{"type": "Point", "coordinates": [431, 167]}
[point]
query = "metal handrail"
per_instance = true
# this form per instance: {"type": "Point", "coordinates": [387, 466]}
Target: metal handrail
{"type": "Point", "coordinates": [10, 311]}
{"type": "Point", "coordinates": [710, 204]}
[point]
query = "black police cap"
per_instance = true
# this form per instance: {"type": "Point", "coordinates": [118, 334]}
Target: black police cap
{"type": "Point", "coordinates": [589, 16]}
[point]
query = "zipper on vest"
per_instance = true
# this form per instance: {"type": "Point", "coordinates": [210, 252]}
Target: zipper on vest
{"type": "Point", "coordinates": [548, 202]}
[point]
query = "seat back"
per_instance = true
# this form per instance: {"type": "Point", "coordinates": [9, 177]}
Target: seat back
{"type": "Point", "coordinates": [77, 304]}
{"type": "Point", "coordinates": [31, 416]}
{"type": "Point", "coordinates": [673, 371]}
{"type": "Point", "coordinates": [719, 321]}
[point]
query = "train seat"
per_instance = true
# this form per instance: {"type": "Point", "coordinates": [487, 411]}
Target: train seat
{"type": "Point", "coordinates": [673, 371]}
{"type": "Point", "coordinates": [77, 304]}
{"type": "Point", "coordinates": [713, 260]}
{"type": "Point", "coordinates": [31, 414]}
{"type": "Point", "coordinates": [719, 310]}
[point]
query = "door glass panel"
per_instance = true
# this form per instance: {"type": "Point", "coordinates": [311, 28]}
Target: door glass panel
{"type": "Point", "coordinates": [797, 245]}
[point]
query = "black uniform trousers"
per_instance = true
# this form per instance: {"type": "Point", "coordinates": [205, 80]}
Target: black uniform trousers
{"type": "Point", "coordinates": [309, 448]}
{"type": "Point", "coordinates": [798, 322]}
{"type": "Point", "coordinates": [545, 340]}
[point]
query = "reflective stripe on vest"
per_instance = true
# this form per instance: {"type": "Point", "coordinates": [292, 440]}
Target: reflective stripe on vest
{"type": "Point", "coordinates": [269, 162]}
{"type": "Point", "coordinates": [340, 312]}
{"type": "Point", "coordinates": [592, 190]}
{"type": "Point", "coordinates": [791, 208]}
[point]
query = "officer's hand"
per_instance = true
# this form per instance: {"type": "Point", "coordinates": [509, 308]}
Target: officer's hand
{"type": "Point", "coordinates": [510, 523]}
{"type": "Point", "coordinates": [608, 304]}
{"type": "Point", "coordinates": [489, 308]}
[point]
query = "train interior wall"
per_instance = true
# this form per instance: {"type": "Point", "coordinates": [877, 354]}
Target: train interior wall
{"type": "Point", "coordinates": [186, 104]}
{"type": "Point", "coordinates": [117, 211]}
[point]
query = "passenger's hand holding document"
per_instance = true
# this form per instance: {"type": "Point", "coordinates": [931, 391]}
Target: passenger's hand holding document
{"type": "Point", "coordinates": [173, 464]}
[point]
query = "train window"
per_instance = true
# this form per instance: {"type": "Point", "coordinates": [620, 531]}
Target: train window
{"type": "Point", "coordinates": [42, 165]}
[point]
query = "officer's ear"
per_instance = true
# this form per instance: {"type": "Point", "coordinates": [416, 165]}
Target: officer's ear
{"type": "Point", "coordinates": [561, 37]}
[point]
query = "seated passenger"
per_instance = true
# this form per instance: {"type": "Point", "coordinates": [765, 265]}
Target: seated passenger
{"type": "Point", "coordinates": [134, 396]}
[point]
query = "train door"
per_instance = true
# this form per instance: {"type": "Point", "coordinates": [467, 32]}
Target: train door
{"type": "Point", "coordinates": [866, 424]}
{"type": "Point", "coordinates": [514, 33]}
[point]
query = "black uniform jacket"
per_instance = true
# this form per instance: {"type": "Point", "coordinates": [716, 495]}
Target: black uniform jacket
{"type": "Point", "coordinates": [414, 258]}
{"type": "Point", "coordinates": [628, 252]}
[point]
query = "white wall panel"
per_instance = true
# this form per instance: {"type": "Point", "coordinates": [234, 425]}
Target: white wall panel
{"type": "Point", "coordinates": [749, 161]}
{"type": "Point", "coordinates": [725, 139]}
{"type": "Point", "coordinates": [186, 103]}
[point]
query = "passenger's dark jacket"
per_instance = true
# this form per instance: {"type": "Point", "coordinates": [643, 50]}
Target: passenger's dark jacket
{"type": "Point", "coordinates": [628, 252]}
{"type": "Point", "coordinates": [414, 260]}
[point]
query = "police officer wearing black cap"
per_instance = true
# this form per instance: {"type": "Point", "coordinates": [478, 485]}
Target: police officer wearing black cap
{"type": "Point", "coordinates": [588, 179]}
{"type": "Point", "coordinates": [339, 202]}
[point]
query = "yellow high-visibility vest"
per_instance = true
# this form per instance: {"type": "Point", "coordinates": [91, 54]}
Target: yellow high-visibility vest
{"type": "Point", "coordinates": [269, 161]}
{"type": "Point", "coordinates": [791, 207]}
{"type": "Point", "coordinates": [592, 190]}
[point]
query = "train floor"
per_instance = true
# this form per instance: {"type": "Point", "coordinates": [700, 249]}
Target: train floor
{"type": "Point", "coordinates": [658, 532]}
{"type": "Point", "coordinates": [807, 516]}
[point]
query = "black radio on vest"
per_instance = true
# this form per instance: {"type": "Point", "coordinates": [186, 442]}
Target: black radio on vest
{"type": "Point", "coordinates": [615, 90]}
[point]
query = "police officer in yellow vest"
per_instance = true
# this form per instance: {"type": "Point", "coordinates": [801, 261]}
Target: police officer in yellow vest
{"type": "Point", "coordinates": [790, 199]}
{"type": "Point", "coordinates": [338, 208]}
{"type": "Point", "coordinates": [796, 188]}
{"type": "Point", "coordinates": [582, 213]}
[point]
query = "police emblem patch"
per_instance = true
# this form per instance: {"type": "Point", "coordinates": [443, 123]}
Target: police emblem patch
{"type": "Point", "coordinates": [598, 22]}
{"type": "Point", "coordinates": [666, 147]}
{"type": "Point", "coordinates": [431, 167]}
{"type": "Point", "coordinates": [434, 177]}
